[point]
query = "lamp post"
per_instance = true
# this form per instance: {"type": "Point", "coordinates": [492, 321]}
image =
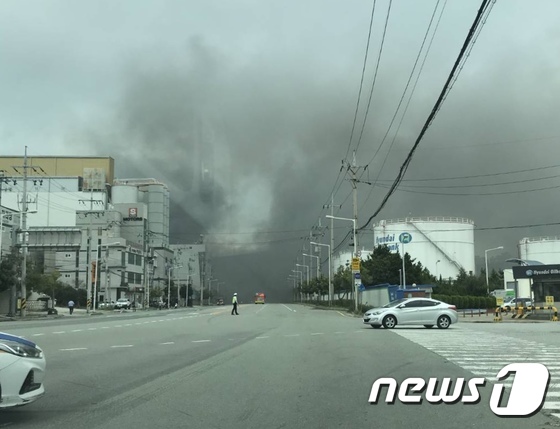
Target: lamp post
{"type": "Point", "coordinates": [98, 256]}
{"type": "Point", "coordinates": [314, 256]}
{"type": "Point", "coordinates": [355, 253]}
{"type": "Point", "coordinates": [331, 288]}
{"type": "Point", "coordinates": [301, 281]}
{"type": "Point", "coordinates": [486, 262]}
{"type": "Point", "coordinates": [306, 266]}
{"type": "Point", "coordinates": [437, 262]}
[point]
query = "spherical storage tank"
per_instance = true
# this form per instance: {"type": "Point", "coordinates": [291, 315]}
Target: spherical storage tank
{"type": "Point", "coordinates": [444, 245]}
{"type": "Point", "coordinates": [541, 249]}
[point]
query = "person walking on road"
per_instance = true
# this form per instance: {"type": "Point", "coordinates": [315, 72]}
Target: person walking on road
{"type": "Point", "coordinates": [234, 302]}
{"type": "Point", "coordinates": [71, 306]}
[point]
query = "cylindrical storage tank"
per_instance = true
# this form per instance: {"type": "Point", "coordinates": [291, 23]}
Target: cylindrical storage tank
{"type": "Point", "coordinates": [123, 194]}
{"type": "Point", "coordinates": [541, 249]}
{"type": "Point", "coordinates": [114, 220]}
{"type": "Point", "coordinates": [443, 245]}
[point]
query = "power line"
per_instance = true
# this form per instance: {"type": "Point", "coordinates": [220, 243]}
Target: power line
{"type": "Point", "coordinates": [434, 112]}
{"type": "Point", "coordinates": [361, 81]}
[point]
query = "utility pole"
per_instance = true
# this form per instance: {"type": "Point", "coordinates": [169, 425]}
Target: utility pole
{"type": "Point", "coordinates": [331, 268]}
{"type": "Point", "coordinates": [354, 170]}
{"type": "Point", "coordinates": [89, 213]}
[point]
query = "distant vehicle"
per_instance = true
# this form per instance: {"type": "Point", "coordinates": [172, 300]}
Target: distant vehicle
{"type": "Point", "coordinates": [123, 303]}
{"type": "Point", "coordinates": [412, 311]}
{"type": "Point", "coordinates": [260, 298]}
{"type": "Point", "coordinates": [512, 303]}
{"type": "Point", "coordinates": [220, 301]}
{"type": "Point", "coordinates": [22, 370]}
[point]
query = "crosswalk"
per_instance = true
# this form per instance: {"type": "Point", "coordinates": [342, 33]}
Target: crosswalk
{"type": "Point", "coordinates": [478, 352]}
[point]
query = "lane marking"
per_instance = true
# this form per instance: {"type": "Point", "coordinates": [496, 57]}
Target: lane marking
{"type": "Point", "coordinates": [288, 308]}
{"type": "Point", "coordinates": [37, 335]}
{"type": "Point", "coordinates": [59, 332]}
{"type": "Point", "coordinates": [292, 335]}
{"type": "Point", "coordinates": [77, 330]}
{"type": "Point", "coordinates": [342, 314]}
{"type": "Point", "coordinates": [73, 349]}
{"type": "Point", "coordinates": [166, 344]}
{"type": "Point", "coordinates": [201, 341]}
{"type": "Point", "coordinates": [92, 329]}
{"type": "Point", "coordinates": [122, 346]}
{"type": "Point", "coordinates": [318, 333]}
{"type": "Point", "coordinates": [259, 338]}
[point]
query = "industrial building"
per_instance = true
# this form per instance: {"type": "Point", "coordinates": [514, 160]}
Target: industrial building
{"type": "Point", "coordinates": [112, 235]}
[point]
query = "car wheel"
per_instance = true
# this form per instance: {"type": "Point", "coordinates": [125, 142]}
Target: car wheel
{"type": "Point", "coordinates": [443, 322]}
{"type": "Point", "coordinates": [429, 326]}
{"type": "Point", "coordinates": [389, 322]}
{"type": "Point", "coordinates": [376, 326]}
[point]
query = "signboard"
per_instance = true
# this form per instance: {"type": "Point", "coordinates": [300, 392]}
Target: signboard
{"type": "Point", "coordinates": [405, 238]}
{"type": "Point", "coordinates": [536, 271]}
{"type": "Point", "coordinates": [499, 301]}
{"type": "Point", "coordinates": [549, 300]}
{"type": "Point", "coordinates": [357, 275]}
{"type": "Point", "coordinates": [132, 212]}
{"type": "Point", "coordinates": [355, 264]}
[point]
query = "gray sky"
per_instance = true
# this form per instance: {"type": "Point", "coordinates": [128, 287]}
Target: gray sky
{"type": "Point", "coordinates": [262, 95]}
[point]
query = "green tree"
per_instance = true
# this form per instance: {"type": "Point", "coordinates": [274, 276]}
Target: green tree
{"type": "Point", "coordinates": [10, 270]}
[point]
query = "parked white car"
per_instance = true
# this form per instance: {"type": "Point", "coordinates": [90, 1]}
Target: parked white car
{"type": "Point", "coordinates": [513, 303]}
{"type": "Point", "coordinates": [22, 370]}
{"type": "Point", "coordinates": [123, 303]}
{"type": "Point", "coordinates": [413, 311]}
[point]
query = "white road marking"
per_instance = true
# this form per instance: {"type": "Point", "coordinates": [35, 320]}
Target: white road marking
{"type": "Point", "coordinates": [166, 344]}
{"type": "Point", "coordinates": [77, 330]}
{"type": "Point", "coordinates": [59, 332]}
{"type": "Point", "coordinates": [92, 329]}
{"type": "Point", "coordinates": [122, 346]}
{"type": "Point", "coordinates": [75, 348]}
{"type": "Point", "coordinates": [37, 335]}
{"type": "Point", "coordinates": [292, 335]}
{"type": "Point", "coordinates": [288, 308]}
{"type": "Point", "coordinates": [201, 341]}
{"type": "Point", "coordinates": [318, 333]}
{"type": "Point", "coordinates": [258, 338]}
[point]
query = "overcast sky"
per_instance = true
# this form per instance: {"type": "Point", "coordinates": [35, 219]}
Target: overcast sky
{"type": "Point", "coordinates": [245, 109]}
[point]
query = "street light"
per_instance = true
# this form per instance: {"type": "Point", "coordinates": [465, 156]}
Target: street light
{"type": "Point", "coordinates": [314, 256]}
{"type": "Point", "coordinates": [97, 255]}
{"type": "Point", "coordinates": [331, 289]}
{"type": "Point", "coordinates": [301, 281]}
{"type": "Point", "coordinates": [306, 266]}
{"type": "Point", "coordinates": [437, 262]}
{"type": "Point", "coordinates": [486, 261]}
{"type": "Point", "coordinates": [355, 254]}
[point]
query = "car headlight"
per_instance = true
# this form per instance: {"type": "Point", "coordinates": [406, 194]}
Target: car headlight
{"type": "Point", "coordinates": [21, 350]}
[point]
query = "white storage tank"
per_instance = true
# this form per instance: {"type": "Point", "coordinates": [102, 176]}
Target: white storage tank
{"type": "Point", "coordinates": [444, 245]}
{"type": "Point", "coordinates": [542, 249]}
{"type": "Point", "coordinates": [122, 194]}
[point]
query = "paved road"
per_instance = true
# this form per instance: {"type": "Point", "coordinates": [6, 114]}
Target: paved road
{"type": "Point", "coordinates": [274, 366]}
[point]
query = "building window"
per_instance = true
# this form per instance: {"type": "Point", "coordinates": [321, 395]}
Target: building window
{"type": "Point", "coordinates": [139, 260]}
{"type": "Point", "coordinates": [138, 278]}
{"type": "Point", "coordinates": [131, 258]}
{"type": "Point", "coordinates": [130, 277]}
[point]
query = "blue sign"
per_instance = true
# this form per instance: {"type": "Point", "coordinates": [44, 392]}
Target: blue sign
{"type": "Point", "coordinates": [357, 276]}
{"type": "Point", "coordinates": [361, 288]}
{"type": "Point", "coordinates": [405, 238]}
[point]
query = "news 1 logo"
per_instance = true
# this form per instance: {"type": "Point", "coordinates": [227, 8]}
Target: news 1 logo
{"type": "Point", "coordinates": [526, 398]}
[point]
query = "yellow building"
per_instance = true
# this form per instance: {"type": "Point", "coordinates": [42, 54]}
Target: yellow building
{"type": "Point", "coordinates": [96, 171]}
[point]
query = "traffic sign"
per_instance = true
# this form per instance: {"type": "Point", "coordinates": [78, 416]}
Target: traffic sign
{"type": "Point", "coordinates": [549, 300]}
{"type": "Point", "coordinates": [357, 276]}
{"type": "Point", "coordinates": [405, 238]}
{"type": "Point", "coordinates": [355, 264]}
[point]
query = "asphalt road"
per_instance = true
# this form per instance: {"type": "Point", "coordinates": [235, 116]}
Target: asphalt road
{"type": "Point", "coordinates": [273, 366]}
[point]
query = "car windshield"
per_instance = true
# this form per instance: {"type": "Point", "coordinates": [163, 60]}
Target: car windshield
{"type": "Point", "coordinates": [213, 211]}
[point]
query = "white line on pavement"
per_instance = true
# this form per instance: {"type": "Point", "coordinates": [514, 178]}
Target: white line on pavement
{"type": "Point", "coordinates": [59, 332]}
{"type": "Point", "coordinates": [121, 346]}
{"type": "Point", "coordinates": [292, 335]}
{"type": "Point", "coordinates": [166, 344]}
{"type": "Point", "coordinates": [37, 335]}
{"type": "Point", "coordinates": [259, 338]}
{"type": "Point", "coordinates": [318, 333]}
{"type": "Point", "coordinates": [201, 341]}
{"type": "Point", "coordinates": [75, 348]}
{"type": "Point", "coordinates": [288, 308]}
{"type": "Point", "coordinates": [77, 330]}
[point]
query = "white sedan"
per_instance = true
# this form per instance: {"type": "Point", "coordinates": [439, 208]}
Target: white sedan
{"type": "Point", "coordinates": [413, 311]}
{"type": "Point", "coordinates": [22, 370]}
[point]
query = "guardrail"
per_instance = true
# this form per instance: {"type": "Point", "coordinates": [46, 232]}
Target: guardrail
{"type": "Point", "coordinates": [522, 312]}
{"type": "Point", "coordinates": [475, 311]}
